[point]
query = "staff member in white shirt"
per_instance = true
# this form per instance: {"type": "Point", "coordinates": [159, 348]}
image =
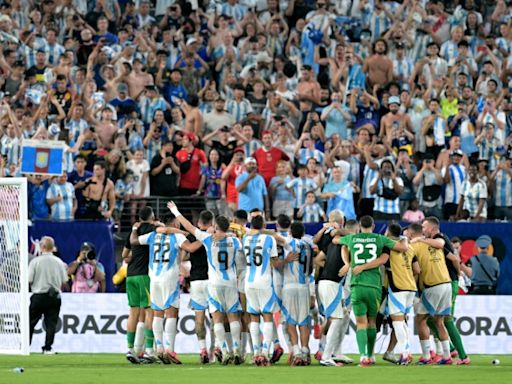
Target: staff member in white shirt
{"type": "Point", "coordinates": [46, 274]}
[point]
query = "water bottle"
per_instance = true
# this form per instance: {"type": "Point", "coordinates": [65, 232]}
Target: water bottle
{"type": "Point", "coordinates": [18, 370]}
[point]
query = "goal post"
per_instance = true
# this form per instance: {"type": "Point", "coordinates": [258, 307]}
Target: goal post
{"type": "Point", "coordinates": [14, 296]}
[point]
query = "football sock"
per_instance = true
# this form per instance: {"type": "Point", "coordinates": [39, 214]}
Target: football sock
{"type": "Point", "coordinates": [446, 349]}
{"type": "Point", "coordinates": [171, 329]}
{"type": "Point", "coordinates": [401, 336]}
{"type": "Point", "coordinates": [254, 329]}
{"type": "Point", "coordinates": [158, 331]}
{"type": "Point", "coordinates": [235, 334]}
{"type": "Point", "coordinates": [275, 336]}
{"type": "Point", "coordinates": [150, 339]}
{"type": "Point", "coordinates": [220, 335]}
{"type": "Point", "coordinates": [296, 350]}
{"type": "Point", "coordinates": [202, 344]}
{"type": "Point", "coordinates": [139, 337]}
{"type": "Point", "coordinates": [454, 334]}
{"type": "Point", "coordinates": [425, 349]}
{"type": "Point", "coordinates": [321, 344]}
{"type": "Point", "coordinates": [130, 337]}
{"type": "Point", "coordinates": [229, 341]}
{"type": "Point", "coordinates": [372, 337]}
{"type": "Point", "coordinates": [407, 341]}
{"type": "Point", "coordinates": [362, 341]}
{"type": "Point", "coordinates": [267, 337]}
{"type": "Point", "coordinates": [332, 339]}
{"type": "Point", "coordinates": [345, 322]}
{"type": "Point", "coordinates": [439, 347]}
{"type": "Point", "coordinates": [243, 342]}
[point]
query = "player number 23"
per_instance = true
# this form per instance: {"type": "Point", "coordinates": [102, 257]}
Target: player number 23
{"type": "Point", "coordinates": [366, 249]}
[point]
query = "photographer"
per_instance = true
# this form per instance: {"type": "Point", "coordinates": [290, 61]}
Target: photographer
{"type": "Point", "coordinates": [388, 187]}
{"type": "Point", "coordinates": [429, 182]}
{"type": "Point", "coordinates": [164, 172]}
{"type": "Point", "coordinates": [88, 273]}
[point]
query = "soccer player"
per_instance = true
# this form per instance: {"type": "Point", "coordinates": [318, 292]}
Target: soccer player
{"type": "Point", "coordinates": [137, 290]}
{"type": "Point", "coordinates": [437, 239]}
{"type": "Point", "coordinates": [261, 253]}
{"type": "Point", "coordinates": [164, 272]}
{"type": "Point", "coordinates": [199, 285]}
{"type": "Point", "coordinates": [295, 294]}
{"type": "Point", "coordinates": [400, 271]}
{"type": "Point", "coordinates": [435, 297]}
{"type": "Point", "coordinates": [365, 256]}
{"type": "Point", "coordinates": [223, 300]}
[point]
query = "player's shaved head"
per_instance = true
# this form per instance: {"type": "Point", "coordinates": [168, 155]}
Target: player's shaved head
{"type": "Point", "coordinates": [170, 220]}
{"type": "Point", "coordinates": [146, 213]}
{"type": "Point", "coordinates": [257, 222]}
{"type": "Point", "coordinates": [366, 222]}
{"type": "Point", "coordinates": [297, 229]}
{"type": "Point", "coordinates": [206, 218]}
{"type": "Point", "coordinates": [432, 220]}
{"type": "Point", "coordinates": [352, 226]}
{"type": "Point", "coordinates": [283, 221]}
{"type": "Point", "coordinates": [394, 229]}
{"type": "Point", "coordinates": [222, 223]}
{"type": "Point", "coordinates": [415, 229]}
{"type": "Point", "coordinates": [241, 215]}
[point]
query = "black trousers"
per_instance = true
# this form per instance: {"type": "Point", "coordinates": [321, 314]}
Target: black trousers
{"type": "Point", "coordinates": [47, 305]}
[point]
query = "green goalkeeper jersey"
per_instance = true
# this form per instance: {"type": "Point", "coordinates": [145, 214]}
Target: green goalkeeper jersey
{"type": "Point", "coordinates": [365, 247]}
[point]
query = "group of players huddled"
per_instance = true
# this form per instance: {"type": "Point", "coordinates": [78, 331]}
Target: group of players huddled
{"type": "Point", "coordinates": [244, 275]}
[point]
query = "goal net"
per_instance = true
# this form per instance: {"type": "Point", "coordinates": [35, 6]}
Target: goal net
{"type": "Point", "coordinates": [14, 300]}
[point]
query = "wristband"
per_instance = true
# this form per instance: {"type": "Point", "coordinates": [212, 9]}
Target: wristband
{"type": "Point", "coordinates": [134, 229]}
{"type": "Point", "coordinates": [175, 212]}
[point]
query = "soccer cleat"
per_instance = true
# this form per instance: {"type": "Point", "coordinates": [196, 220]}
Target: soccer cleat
{"type": "Point", "coordinates": [317, 331]}
{"type": "Point", "coordinates": [330, 363]}
{"type": "Point", "coordinates": [297, 361]}
{"type": "Point", "coordinates": [436, 359]}
{"type": "Point", "coordinates": [217, 352]}
{"type": "Point", "coordinates": [343, 359]}
{"type": "Point", "coordinates": [433, 354]}
{"type": "Point", "coordinates": [164, 357]}
{"type": "Point", "coordinates": [318, 355]}
{"type": "Point", "coordinates": [447, 361]}
{"type": "Point", "coordinates": [226, 358]}
{"type": "Point", "coordinates": [237, 359]}
{"type": "Point", "coordinates": [148, 359]}
{"type": "Point", "coordinates": [173, 356]}
{"type": "Point", "coordinates": [307, 359]}
{"type": "Point", "coordinates": [390, 357]}
{"type": "Point", "coordinates": [132, 357]}
{"type": "Point", "coordinates": [423, 361]}
{"type": "Point", "coordinates": [465, 361]}
{"type": "Point", "coordinates": [365, 361]}
{"type": "Point", "coordinates": [203, 356]}
{"type": "Point", "coordinates": [276, 355]}
{"type": "Point", "coordinates": [454, 354]}
{"type": "Point", "coordinates": [372, 360]}
{"type": "Point", "coordinates": [49, 352]}
{"type": "Point", "coordinates": [404, 360]}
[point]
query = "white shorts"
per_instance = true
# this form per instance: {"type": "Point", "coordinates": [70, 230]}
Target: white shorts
{"type": "Point", "coordinates": [164, 294]}
{"type": "Point", "coordinates": [399, 302]}
{"type": "Point", "coordinates": [436, 300]}
{"type": "Point", "coordinates": [312, 289]}
{"type": "Point", "coordinates": [260, 300]}
{"type": "Point", "coordinates": [198, 295]}
{"type": "Point", "coordinates": [296, 305]}
{"type": "Point", "coordinates": [223, 299]}
{"type": "Point", "coordinates": [277, 285]}
{"type": "Point", "coordinates": [330, 299]}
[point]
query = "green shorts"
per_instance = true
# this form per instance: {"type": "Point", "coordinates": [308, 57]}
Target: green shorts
{"type": "Point", "coordinates": [455, 292]}
{"type": "Point", "coordinates": [365, 300]}
{"type": "Point", "coordinates": [137, 289]}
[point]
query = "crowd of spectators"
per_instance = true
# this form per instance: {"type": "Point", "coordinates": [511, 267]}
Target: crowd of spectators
{"type": "Point", "coordinates": [399, 109]}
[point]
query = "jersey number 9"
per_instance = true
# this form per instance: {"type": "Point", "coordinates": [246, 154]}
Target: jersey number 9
{"type": "Point", "coordinates": [222, 258]}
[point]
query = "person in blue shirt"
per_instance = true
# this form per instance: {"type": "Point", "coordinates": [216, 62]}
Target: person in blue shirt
{"type": "Point", "coordinates": [38, 185]}
{"type": "Point", "coordinates": [78, 177]}
{"type": "Point", "coordinates": [104, 36]}
{"type": "Point", "coordinates": [174, 90]}
{"type": "Point", "coordinates": [252, 189]}
{"type": "Point", "coordinates": [122, 102]}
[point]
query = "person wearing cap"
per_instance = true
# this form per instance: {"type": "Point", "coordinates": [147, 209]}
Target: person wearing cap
{"type": "Point", "coordinates": [252, 191]}
{"type": "Point", "coordinates": [46, 275]}
{"type": "Point", "coordinates": [87, 273]}
{"type": "Point", "coordinates": [501, 178]}
{"type": "Point", "coordinates": [473, 196]}
{"type": "Point", "coordinates": [61, 199]}
{"type": "Point", "coordinates": [392, 122]}
{"type": "Point", "coordinates": [402, 65]}
{"type": "Point", "coordinates": [429, 183]}
{"type": "Point", "coordinates": [454, 175]}
{"type": "Point", "coordinates": [487, 144]}
{"type": "Point", "coordinates": [485, 268]}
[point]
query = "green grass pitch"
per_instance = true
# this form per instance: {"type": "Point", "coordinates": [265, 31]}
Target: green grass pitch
{"type": "Point", "coordinates": [112, 369]}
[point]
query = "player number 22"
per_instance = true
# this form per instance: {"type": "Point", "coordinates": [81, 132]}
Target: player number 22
{"type": "Point", "coordinates": [366, 249]}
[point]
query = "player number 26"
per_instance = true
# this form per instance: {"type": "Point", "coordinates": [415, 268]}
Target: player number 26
{"type": "Point", "coordinates": [254, 255]}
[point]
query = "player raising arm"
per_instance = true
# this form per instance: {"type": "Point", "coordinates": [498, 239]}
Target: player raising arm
{"type": "Point", "coordinates": [164, 273]}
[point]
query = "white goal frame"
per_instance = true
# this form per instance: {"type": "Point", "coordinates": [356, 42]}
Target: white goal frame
{"type": "Point", "coordinates": [24, 348]}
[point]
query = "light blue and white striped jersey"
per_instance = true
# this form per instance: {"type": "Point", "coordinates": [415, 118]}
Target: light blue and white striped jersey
{"type": "Point", "coordinates": [504, 44]}
{"type": "Point", "coordinates": [305, 154]}
{"type": "Point", "coordinates": [76, 127]}
{"type": "Point", "coordinates": [61, 210]}
{"type": "Point", "coordinates": [449, 50]}
{"type": "Point", "coordinates": [282, 253]}
{"type": "Point", "coordinates": [503, 189]}
{"type": "Point", "coordinates": [148, 107]}
{"type": "Point", "coordinates": [356, 77]}
{"type": "Point", "coordinates": [153, 148]}
{"type": "Point", "coordinates": [29, 54]}
{"type": "Point", "coordinates": [454, 188]}
{"type": "Point", "coordinates": [402, 68]}
{"type": "Point", "coordinates": [440, 128]}
{"type": "Point", "coordinates": [164, 252]}
{"type": "Point", "coordinates": [222, 256]}
{"type": "Point", "coordinates": [237, 11]}
{"type": "Point", "coordinates": [312, 213]}
{"type": "Point", "coordinates": [487, 150]}
{"type": "Point", "coordinates": [53, 53]}
{"type": "Point", "coordinates": [380, 204]}
{"type": "Point", "coordinates": [252, 146]}
{"type": "Point", "coordinates": [300, 186]}
{"type": "Point", "coordinates": [379, 24]}
{"type": "Point", "coordinates": [368, 175]}
{"type": "Point", "coordinates": [299, 271]}
{"type": "Point", "coordinates": [258, 250]}
{"type": "Point", "coordinates": [239, 110]}
{"type": "Point", "coordinates": [11, 148]}
{"type": "Point", "coordinates": [472, 194]}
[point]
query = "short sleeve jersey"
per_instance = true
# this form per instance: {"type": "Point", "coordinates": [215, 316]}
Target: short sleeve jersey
{"type": "Point", "coordinates": [366, 247]}
{"type": "Point", "coordinates": [222, 256]}
{"type": "Point", "coordinates": [258, 250]}
{"type": "Point", "coordinates": [164, 251]}
{"type": "Point", "coordinates": [298, 271]}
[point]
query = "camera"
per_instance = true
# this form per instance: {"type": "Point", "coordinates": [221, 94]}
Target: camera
{"type": "Point", "coordinates": [168, 154]}
{"type": "Point", "coordinates": [89, 249]}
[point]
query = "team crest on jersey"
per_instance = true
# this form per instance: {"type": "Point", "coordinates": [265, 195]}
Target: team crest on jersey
{"type": "Point", "coordinates": [42, 159]}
